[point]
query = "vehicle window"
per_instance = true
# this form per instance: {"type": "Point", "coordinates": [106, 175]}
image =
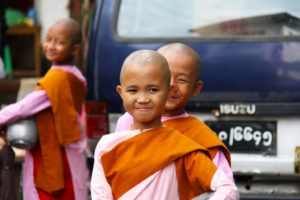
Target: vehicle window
{"type": "Point", "coordinates": [213, 18]}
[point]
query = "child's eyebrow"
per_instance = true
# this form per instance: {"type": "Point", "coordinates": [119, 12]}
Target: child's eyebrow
{"type": "Point", "coordinates": [131, 86]}
{"type": "Point", "coordinates": [153, 85]}
{"type": "Point", "coordinates": [184, 72]}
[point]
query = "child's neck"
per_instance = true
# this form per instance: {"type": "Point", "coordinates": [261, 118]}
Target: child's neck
{"type": "Point", "coordinates": [67, 61]}
{"type": "Point", "coordinates": [145, 126]}
{"type": "Point", "coordinates": [173, 113]}
{"type": "Point", "coordinates": [63, 63]}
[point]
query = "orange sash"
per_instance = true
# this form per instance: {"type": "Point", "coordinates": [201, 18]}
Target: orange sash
{"type": "Point", "coordinates": [199, 132]}
{"type": "Point", "coordinates": [135, 159]}
{"type": "Point", "coordinates": [57, 126]}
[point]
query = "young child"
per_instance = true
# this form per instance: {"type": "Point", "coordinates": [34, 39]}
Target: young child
{"type": "Point", "coordinates": [151, 161]}
{"type": "Point", "coordinates": [56, 168]}
{"type": "Point", "coordinates": [184, 64]}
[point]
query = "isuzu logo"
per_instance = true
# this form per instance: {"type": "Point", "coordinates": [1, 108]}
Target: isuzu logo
{"type": "Point", "coordinates": [237, 109]}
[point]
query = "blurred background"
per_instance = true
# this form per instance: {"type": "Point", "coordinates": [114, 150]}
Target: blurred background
{"type": "Point", "coordinates": [251, 74]}
{"type": "Point", "coordinates": [23, 27]}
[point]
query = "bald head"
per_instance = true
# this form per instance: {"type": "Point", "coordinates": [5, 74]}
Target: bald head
{"type": "Point", "coordinates": [73, 27]}
{"type": "Point", "coordinates": [180, 49]}
{"type": "Point", "coordinates": [146, 58]}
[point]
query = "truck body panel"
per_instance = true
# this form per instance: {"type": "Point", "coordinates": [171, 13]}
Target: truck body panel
{"type": "Point", "coordinates": [251, 93]}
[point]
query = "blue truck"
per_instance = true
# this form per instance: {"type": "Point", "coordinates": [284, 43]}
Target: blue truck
{"type": "Point", "coordinates": [250, 52]}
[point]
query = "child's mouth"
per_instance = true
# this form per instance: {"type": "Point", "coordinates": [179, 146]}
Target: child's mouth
{"type": "Point", "coordinates": [143, 109]}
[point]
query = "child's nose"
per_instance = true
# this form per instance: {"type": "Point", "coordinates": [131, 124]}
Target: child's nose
{"type": "Point", "coordinates": [172, 88]}
{"type": "Point", "coordinates": [173, 83]}
{"type": "Point", "coordinates": [50, 44]}
{"type": "Point", "coordinates": [143, 99]}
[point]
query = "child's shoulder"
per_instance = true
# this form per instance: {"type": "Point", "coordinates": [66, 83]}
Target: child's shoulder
{"type": "Point", "coordinates": [109, 141]}
{"type": "Point", "coordinates": [187, 119]}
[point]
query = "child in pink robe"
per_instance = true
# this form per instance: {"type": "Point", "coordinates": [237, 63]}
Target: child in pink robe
{"type": "Point", "coordinates": [61, 44]}
{"type": "Point", "coordinates": [145, 101]}
{"type": "Point", "coordinates": [184, 64]}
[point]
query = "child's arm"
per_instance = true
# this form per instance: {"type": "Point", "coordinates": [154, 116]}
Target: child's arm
{"type": "Point", "coordinates": [199, 168]}
{"type": "Point", "coordinates": [224, 187]}
{"type": "Point", "coordinates": [100, 189]}
{"type": "Point", "coordinates": [222, 163]}
{"type": "Point", "coordinates": [28, 106]}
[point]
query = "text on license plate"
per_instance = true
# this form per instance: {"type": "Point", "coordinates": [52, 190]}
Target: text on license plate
{"type": "Point", "coordinates": [246, 136]}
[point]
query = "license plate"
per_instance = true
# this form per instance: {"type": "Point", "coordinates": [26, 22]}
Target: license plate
{"type": "Point", "coordinates": [247, 136]}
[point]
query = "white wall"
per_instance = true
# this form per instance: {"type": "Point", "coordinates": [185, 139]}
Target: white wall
{"type": "Point", "coordinates": [49, 11]}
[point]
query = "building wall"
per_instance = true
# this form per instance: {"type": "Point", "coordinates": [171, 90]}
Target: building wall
{"type": "Point", "coordinates": [49, 11]}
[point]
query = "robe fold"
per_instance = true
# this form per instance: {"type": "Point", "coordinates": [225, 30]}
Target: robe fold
{"type": "Point", "coordinates": [57, 126]}
{"type": "Point", "coordinates": [198, 131]}
{"type": "Point", "coordinates": [135, 159]}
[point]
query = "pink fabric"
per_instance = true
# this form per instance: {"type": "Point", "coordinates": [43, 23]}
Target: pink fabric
{"type": "Point", "coordinates": [29, 105]}
{"type": "Point", "coordinates": [125, 121]}
{"type": "Point", "coordinates": [161, 185]}
{"type": "Point", "coordinates": [223, 185]}
{"type": "Point", "coordinates": [32, 104]}
{"type": "Point", "coordinates": [221, 161]}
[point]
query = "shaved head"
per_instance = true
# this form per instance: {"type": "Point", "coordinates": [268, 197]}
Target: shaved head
{"type": "Point", "coordinates": [146, 58]}
{"type": "Point", "coordinates": [73, 28]}
{"type": "Point", "coordinates": [180, 49]}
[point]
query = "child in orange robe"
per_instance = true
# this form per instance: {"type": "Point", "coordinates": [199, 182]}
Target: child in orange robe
{"type": "Point", "coordinates": [185, 66]}
{"type": "Point", "coordinates": [152, 161]}
{"type": "Point", "coordinates": [56, 168]}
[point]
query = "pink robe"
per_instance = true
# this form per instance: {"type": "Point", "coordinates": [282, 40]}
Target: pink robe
{"type": "Point", "coordinates": [161, 185]}
{"type": "Point", "coordinates": [125, 121]}
{"type": "Point", "coordinates": [31, 104]}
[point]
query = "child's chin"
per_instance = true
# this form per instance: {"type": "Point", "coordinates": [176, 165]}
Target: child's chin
{"type": "Point", "coordinates": [170, 106]}
{"type": "Point", "coordinates": [51, 59]}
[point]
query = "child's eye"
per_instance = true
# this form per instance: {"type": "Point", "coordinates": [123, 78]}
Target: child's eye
{"type": "Point", "coordinates": [47, 39]}
{"type": "Point", "coordinates": [59, 42]}
{"type": "Point", "coordinates": [153, 90]}
{"type": "Point", "coordinates": [131, 91]}
{"type": "Point", "coordinates": [182, 81]}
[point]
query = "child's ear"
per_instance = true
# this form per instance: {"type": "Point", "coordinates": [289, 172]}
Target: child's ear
{"type": "Point", "coordinates": [76, 49]}
{"type": "Point", "coordinates": [119, 90]}
{"type": "Point", "coordinates": [198, 88]}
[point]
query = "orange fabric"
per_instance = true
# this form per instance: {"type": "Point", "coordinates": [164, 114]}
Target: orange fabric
{"type": "Point", "coordinates": [133, 160]}
{"type": "Point", "coordinates": [50, 176]}
{"type": "Point", "coordinates": [194, 173]}
{"type": "Point", "coordinates": [57, 126]}
{"type": "Point", "coordinates": [199, 132]}
{"type": "Point", "coordinates": [67, 192]}
{"type": "Point", "coordinates": [66, 94]}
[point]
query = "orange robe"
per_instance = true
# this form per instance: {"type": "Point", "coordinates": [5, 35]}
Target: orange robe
{"type": "Point", "coordinates": [198, 131]}
{"type": "Point", "coordinates": [135, 159]}
{"type": "Point", "coordinates": [57, 126]}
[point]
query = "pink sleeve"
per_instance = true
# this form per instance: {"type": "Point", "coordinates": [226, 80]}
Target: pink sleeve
{"type": "Point", "coordinates": [221, 161]}
{"type": "Point", "coordinates": [100, 188]}
{"type": "Point", "coordinates": [124, 122]}
{"type": "Point", "coordinates": [224, 188]}
{"type": "Point", "coordinates": [28, 106]}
